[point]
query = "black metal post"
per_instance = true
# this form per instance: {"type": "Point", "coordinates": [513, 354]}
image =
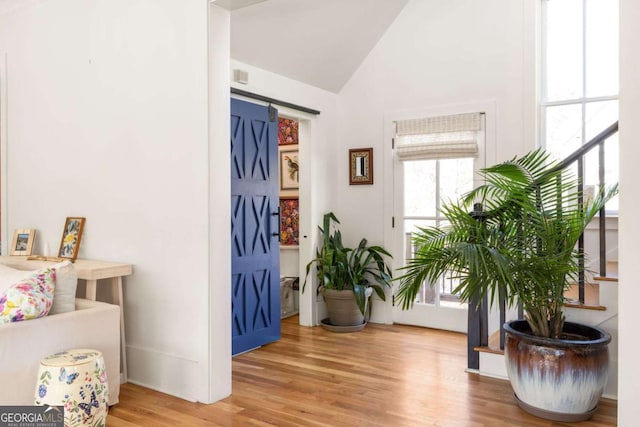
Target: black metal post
{"type": "Point", "coordinates": [503, 319]}
{"type": "Point", "coordinates": [473, 335]}
{"type": "Point", "coordinates": [477, 332]}
{"type": "Point", "coordinates": [602, 225]}
{"type": "Point", "coordinates": [581, 238]}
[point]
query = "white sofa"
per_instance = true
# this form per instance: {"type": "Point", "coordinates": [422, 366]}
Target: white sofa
{"type": "Point", "coordinates": [23, 344]}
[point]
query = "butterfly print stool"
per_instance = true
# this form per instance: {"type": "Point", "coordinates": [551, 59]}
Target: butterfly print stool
{"type": "Point", "coordinates": [77, 380]}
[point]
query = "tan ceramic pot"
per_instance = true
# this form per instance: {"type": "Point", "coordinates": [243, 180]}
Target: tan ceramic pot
{"type": "Point", "coordinates": [342, 307]}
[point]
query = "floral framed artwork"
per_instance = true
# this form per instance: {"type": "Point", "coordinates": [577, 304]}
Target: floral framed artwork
{"type": "Point", "coordinates": [22, 242]}
{"type": "Point", "coordinates": [289, 222]}
{"type": "Point", "coordinates": [360, 166]}
{"type": "Point", "coordinates": [71, 236]}
{"type": "Point", "coordinates": [287, 131]}
{"type": "Point", "coordinates": [289, 170]}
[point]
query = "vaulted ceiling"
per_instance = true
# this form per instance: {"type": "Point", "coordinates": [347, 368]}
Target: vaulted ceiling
{"type": "Point", "coordinates": [318, 42]}
{"type": "Point", "coordinates": [9, 6]}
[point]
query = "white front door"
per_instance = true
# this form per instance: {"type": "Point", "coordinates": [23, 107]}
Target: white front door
{"type": "Point", "coordinates": [421, 186]}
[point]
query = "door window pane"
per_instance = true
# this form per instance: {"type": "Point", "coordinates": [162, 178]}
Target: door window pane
{"type": "Point", "coordinates": [410, 227]}
{"type": "Point", "coordinates": [420, 188]}
{"type": "Point", "coordinates": [429, 184]}
{"type": "Point", "coordinates": [456, 178]}
{"type": "Point", "coordinates": [426, 294]}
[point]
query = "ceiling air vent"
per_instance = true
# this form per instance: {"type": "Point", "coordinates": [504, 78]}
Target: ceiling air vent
{"type": "Point", "coordinates": [236, 4]}
{"type": "Point", "coordinates": [241, 76]}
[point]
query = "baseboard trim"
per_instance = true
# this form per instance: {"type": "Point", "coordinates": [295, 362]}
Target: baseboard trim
{"type": "Point", "coordinates": [176, 375]}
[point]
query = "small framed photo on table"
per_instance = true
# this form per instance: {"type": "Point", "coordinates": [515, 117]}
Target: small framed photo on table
{"type": "Point", "coordinates": [71, 236]}
{"type": "Point", "coordinates": [22, 242]}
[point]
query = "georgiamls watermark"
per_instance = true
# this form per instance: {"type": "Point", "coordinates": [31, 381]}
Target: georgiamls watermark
{"type": "Point", "coordinates": [32, 416]}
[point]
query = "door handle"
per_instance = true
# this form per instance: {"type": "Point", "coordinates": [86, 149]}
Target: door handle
{"type": "Point", "coordinates": [277, 213]}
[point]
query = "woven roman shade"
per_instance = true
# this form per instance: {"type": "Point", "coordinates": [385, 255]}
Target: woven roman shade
{"type": "Point", "coordinates": [444, 137]}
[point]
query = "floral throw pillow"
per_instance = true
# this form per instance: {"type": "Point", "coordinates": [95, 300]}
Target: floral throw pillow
{"type": "Point", "coordinates": [29, 298]}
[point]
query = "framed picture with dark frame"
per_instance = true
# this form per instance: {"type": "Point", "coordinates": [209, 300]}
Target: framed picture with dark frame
{"type": "Point", "coordinates": [71, 236]}
{"type": "Point", "coordinates": [22, 242]}
{"type": "Point", "coordinates": [360, 166]}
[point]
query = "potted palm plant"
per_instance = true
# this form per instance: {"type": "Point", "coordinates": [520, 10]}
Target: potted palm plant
{"type": "Point", "coordinates": [348, 276]}
{"type": "Point", "coordinates": [520, 243]}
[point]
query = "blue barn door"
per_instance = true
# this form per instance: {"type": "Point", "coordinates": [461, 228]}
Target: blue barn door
{"type": "Point", "coordinates": [255, 266]}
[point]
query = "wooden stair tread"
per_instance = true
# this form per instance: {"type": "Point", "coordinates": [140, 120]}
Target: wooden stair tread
{"type": "Point", "coordinates": [591, 296]}
{"type": "Point", "coordinates": [488, 350]}
{"type": "Point", "coordinates": [577, 304]}
{"type": "Point", "coordinates": [612, 273]}
{"type": "Point", "coordinates": [494, 345]}
{"type": "Point", "coordinates": [606, 278]}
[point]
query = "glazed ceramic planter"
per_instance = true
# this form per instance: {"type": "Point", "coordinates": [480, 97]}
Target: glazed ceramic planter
{"type": "Point", "coordinates": [342, 307]}
{"type": "Point", "coordinates": [557, 379]}
{"type": "Point", "coordinates": [77, 380]}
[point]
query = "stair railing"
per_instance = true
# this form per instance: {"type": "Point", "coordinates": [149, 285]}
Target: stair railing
{"type": "Point", "coordinates": [478, 317]}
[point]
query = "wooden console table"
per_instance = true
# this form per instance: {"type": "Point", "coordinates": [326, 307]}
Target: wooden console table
{"type": "Point", "coordinates": [90, 271]}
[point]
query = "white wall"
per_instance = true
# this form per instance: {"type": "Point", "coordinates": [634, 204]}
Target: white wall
{"type": "Point", "coordinates": [219, 323]}
{"type": "Point", "coordinates": [318, 167]}
{"type": "Point", "coordinates": [436, 54]}
{"type": "Point", "coordinates": [629, 292]}
{"type": "Point", "coordinates": [289, 262]}
{"type": "Point", "coordinates": [107, 112]}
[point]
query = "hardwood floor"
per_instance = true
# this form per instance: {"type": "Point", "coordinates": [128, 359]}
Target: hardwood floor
{"type": "Point", "coordinates": [381, 376]}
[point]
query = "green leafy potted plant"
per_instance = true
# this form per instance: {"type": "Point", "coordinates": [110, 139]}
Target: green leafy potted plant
{"type": "Point", "coordinates": [523, 246]}
{"type": "Point", "coordinates": [348, 276]}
